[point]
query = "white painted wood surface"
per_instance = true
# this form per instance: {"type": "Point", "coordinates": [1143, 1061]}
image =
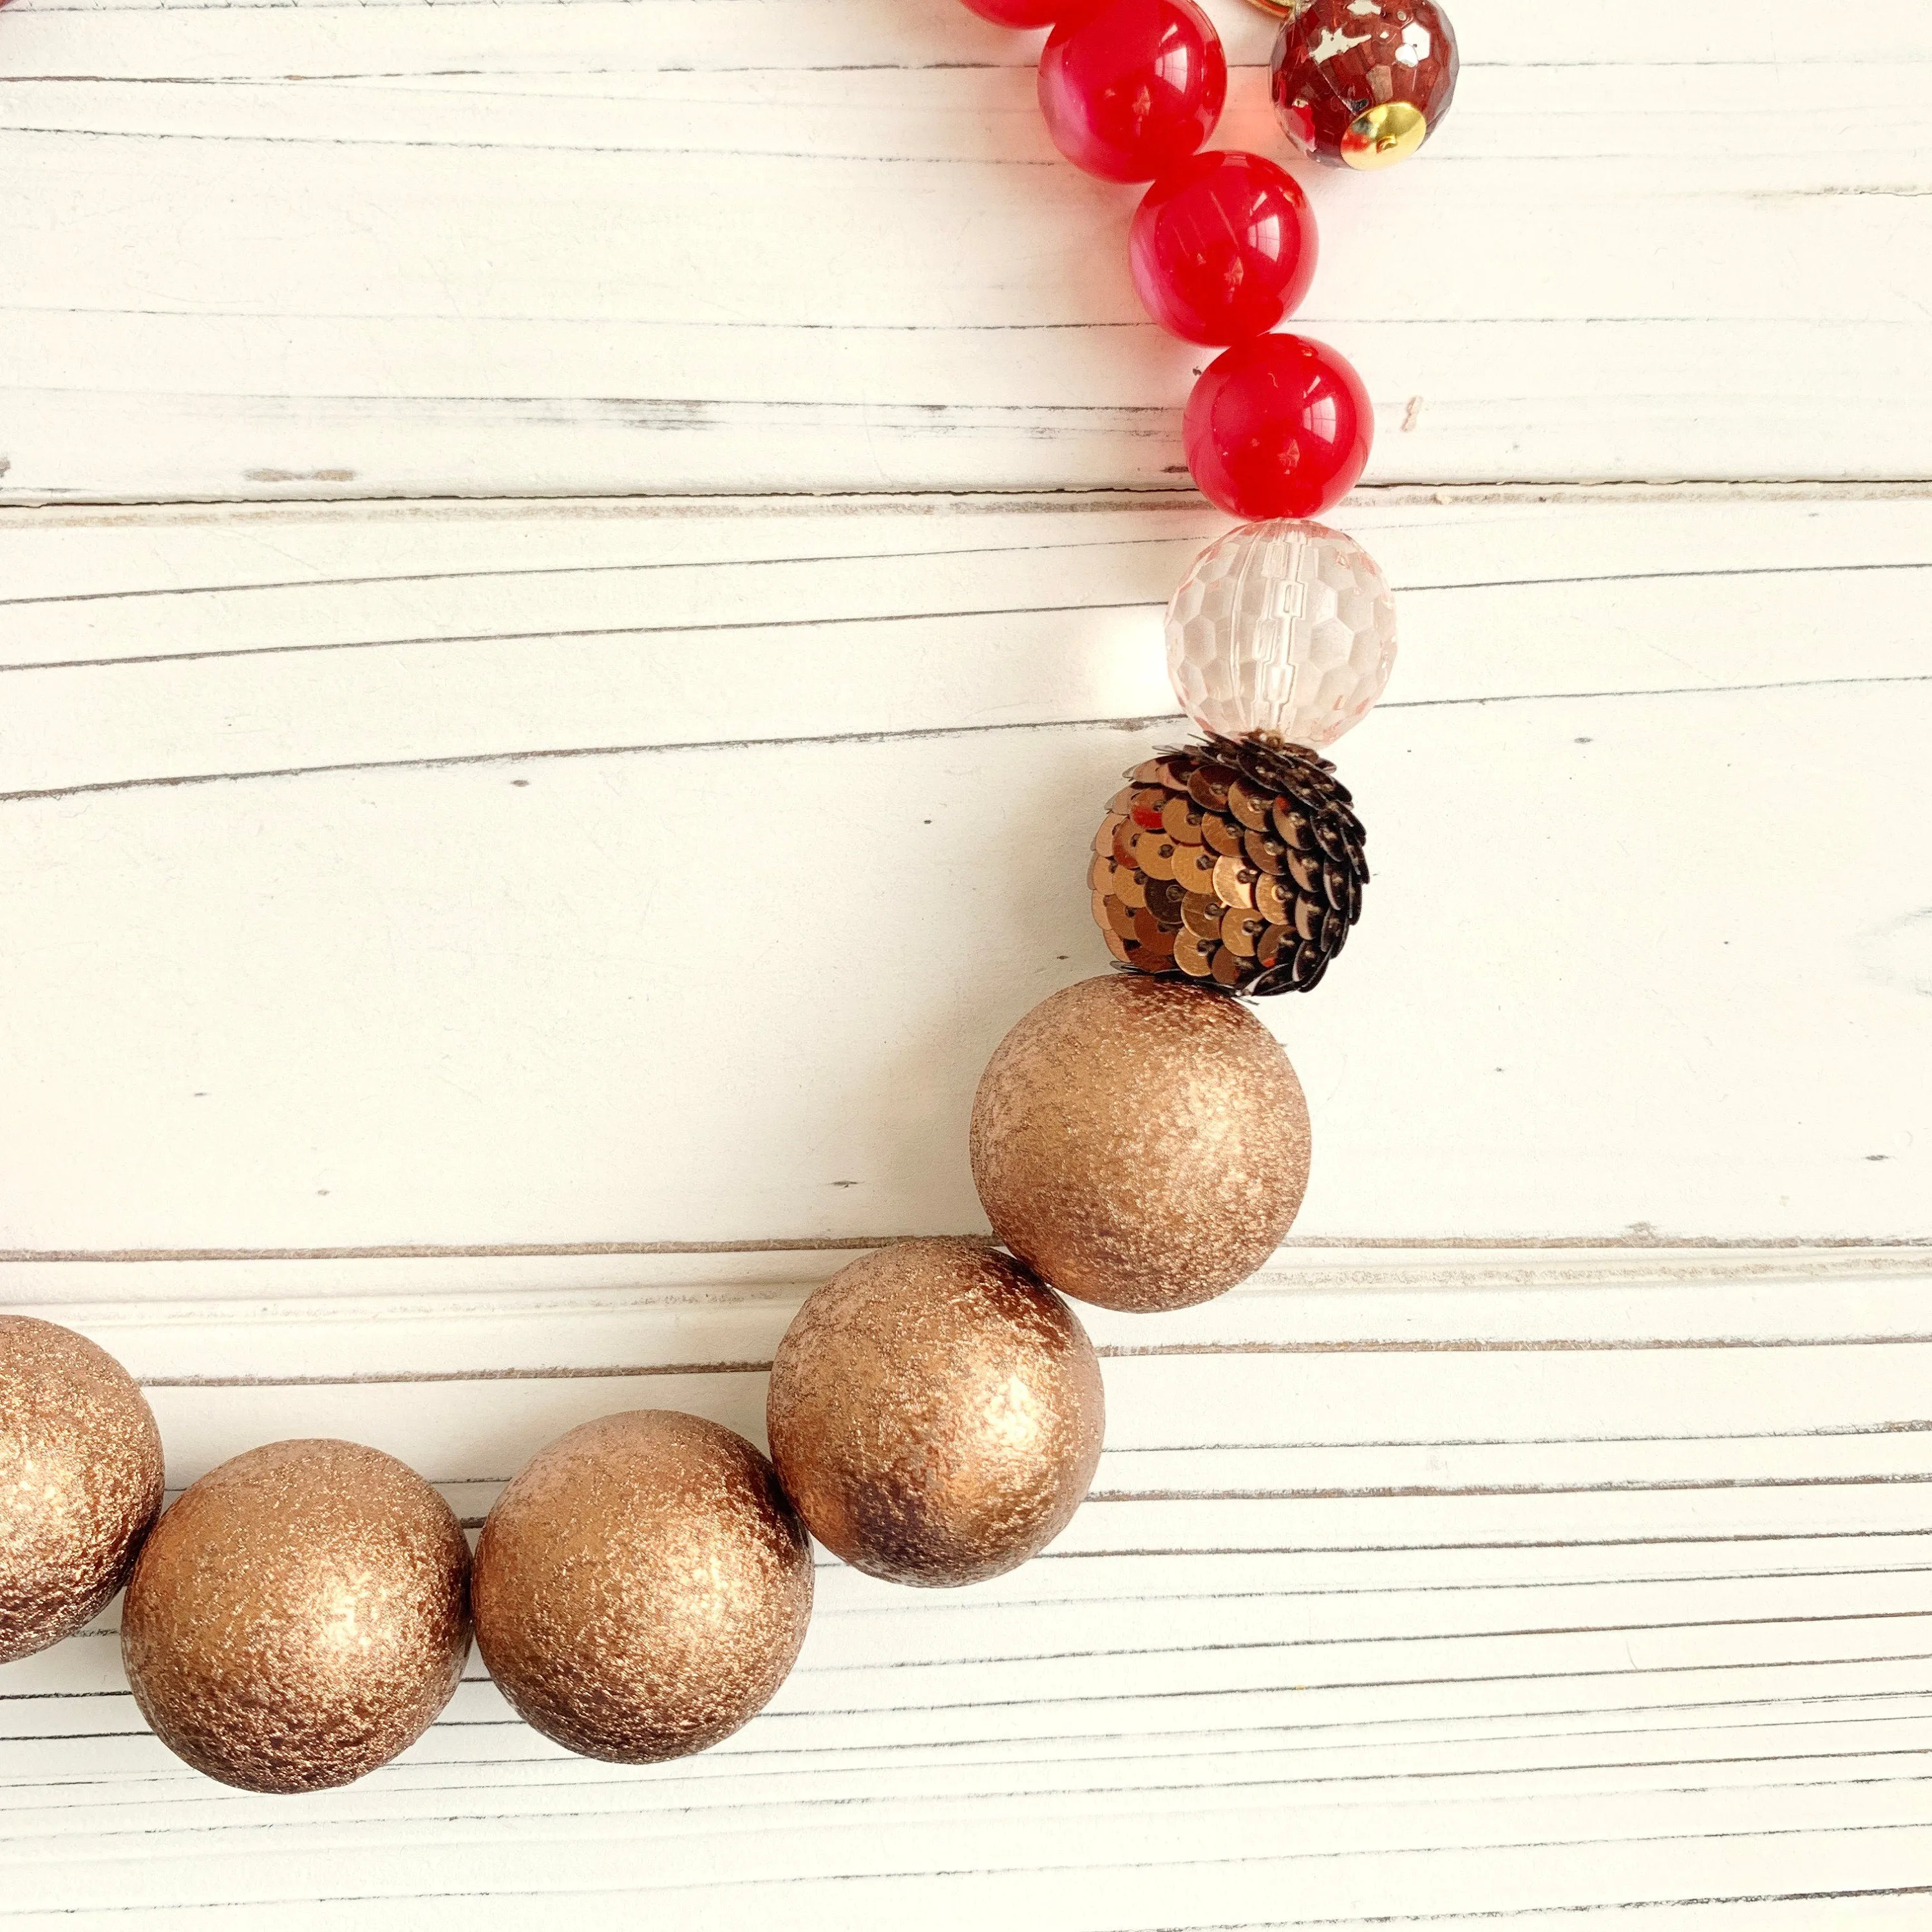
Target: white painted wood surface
{"type": "Point", "coordinates": [468, 966]}
{"type": "Point", "coordinates": [825, 245]}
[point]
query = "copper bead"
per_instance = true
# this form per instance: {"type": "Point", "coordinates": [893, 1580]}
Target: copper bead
{"type": "Point", "coordinates": [298, 1617]}
{"type": "Point", "coordinates": [80, 1481]}
{"type": "Point", "coordinates": [936, 1413]}
{"type": "Point", "coordinates": [1140, 1144]}
{"type": "Point", "coordinates": [643, 1586]}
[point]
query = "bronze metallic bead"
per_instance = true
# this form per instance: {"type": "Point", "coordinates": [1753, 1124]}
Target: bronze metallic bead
{"type": "Point", "coordinates": [298, 1617]}
{"type": "Point", "coordinates": [643, 1586]}
{"type": "Point", "coordinates": [1140, 1144]}
{"type": "Point", "coordinates": [936, 1413]}
{"type": "Point", "coordinates": [80, 1481]}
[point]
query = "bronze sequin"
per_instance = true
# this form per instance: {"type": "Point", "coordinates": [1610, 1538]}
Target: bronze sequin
{"type": "Point", "coordinates": [642, 1587]}
{"type": "Point", "coordinates": [298, 1617]}
{"type": "Point", "coordinates": [1140, 1143]}
{"type": "Point", "coordinates": [80, 1481]}
{"type": "Point", "coordinates": [936, 1412]}
{"type": "Point", "coordinates": [1242, 827]}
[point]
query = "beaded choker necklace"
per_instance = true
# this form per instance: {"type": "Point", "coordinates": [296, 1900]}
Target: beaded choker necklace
{"type": "Point", "coordinates": [1139, 1141]}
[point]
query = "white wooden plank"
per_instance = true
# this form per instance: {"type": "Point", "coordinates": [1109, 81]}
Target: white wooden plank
{"type": "Point", "coordinates": [463, 249]}
{"type": "Point", "coordinates": [1098, 1865]}
{"type": "Point", "coordinates": [470, 1004]}
{"type": "Point", "coordinates": [1627, 1701]}
{"type": "Point", "coordinates": [164, 646]}
{"type": "Point", "coordinates": [307, 987]}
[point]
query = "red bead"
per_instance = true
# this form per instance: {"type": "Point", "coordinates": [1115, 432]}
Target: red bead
{"type": "Point", "coordinates": [1363, 82]}
{"type": "Point", "coordinates": [1006, 13]}
{"type": "Point", "coordinates": [1130, 87]}
{"type": "Point", "coordinates": [1277, 426]}
{"type": "Point", "coordinates": [1223, 247]}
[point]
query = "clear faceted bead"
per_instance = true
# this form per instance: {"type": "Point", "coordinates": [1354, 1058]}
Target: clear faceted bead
{"type": "Point", "coordinates": [1285, 628]}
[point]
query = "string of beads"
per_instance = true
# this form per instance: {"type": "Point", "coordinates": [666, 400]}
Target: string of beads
{"type": "Point", "coordinates": [1139, 1141]}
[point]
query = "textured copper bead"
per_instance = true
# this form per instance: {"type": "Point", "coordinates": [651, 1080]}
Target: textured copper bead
{"type": "Point", "coordinates": [298, 1617]}
{"type": "Point", "coordinates": [80, 1481]}
{"type": "Point", "coordinates": [1141, 1144]}
{"type": "Point", "coordinates": [936, 1412]}
{"type": "Point", "coordinates": [642, 1587]}
{"type": "Point", "coordinates": [1362, 83]}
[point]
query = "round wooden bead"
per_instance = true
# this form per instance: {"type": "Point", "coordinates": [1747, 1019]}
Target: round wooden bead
{"type": "Point", "coordinates": [643, 1586]}
{"type": "Point", "coordinates": [80, 1481]}
{"type": "Point", "coordinates": [298, 1617]}
{"type": "Point", "coordinates": [1140, 1143]}
{"type": "Point", "coordinates": [936, 1412]}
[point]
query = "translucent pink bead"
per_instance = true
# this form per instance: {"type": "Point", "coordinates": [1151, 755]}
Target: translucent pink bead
{"type": "Point", "coordinates": [1284, 629]}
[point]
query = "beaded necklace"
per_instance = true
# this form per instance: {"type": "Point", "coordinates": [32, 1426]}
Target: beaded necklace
{"type": "Point", "coordinates": [1139, 1141]}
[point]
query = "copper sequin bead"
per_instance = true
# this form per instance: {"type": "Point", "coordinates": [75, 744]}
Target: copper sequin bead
{"type": "Point", "coordinates": [1238, 862]}
{"type": "Point", "coordinates": [298, 1617]}
{"type": "Point", "coordinates": [936, 1412]}
{"type": "Point", "coordinates": [80, 1481]}
{"type": "Point", "coordinates": [643, 1586]}
{"type": "Point", "coordinates": [1140, 1143]}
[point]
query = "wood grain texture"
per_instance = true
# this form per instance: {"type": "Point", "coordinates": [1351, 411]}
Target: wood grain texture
{"type": "Point", "coordinates": [1490, 1595]}
{"type": "Point", "coordinates": [550, 826]}
{"type": "Point", "coordinates": [635, 247]}
{"type": "Point", "coordinates": [466, 967]}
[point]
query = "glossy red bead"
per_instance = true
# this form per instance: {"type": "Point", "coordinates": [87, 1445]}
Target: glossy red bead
{"type": "Point", "coordinates": [1130, 87]}
{"type": "Point", "coordinates": [1223, 246]}
{"type": "Point", "coordinates": [1278, 426]}
{"type": "Point", "coordinates": [1011, 12]}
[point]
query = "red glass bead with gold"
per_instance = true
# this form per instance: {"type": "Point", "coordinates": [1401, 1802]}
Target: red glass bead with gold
{"type": "Point", "coordinates": [1362, 83]}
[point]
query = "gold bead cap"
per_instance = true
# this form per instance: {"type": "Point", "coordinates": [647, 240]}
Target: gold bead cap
{"type": "Point", "coordinates": [1384, 135]}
